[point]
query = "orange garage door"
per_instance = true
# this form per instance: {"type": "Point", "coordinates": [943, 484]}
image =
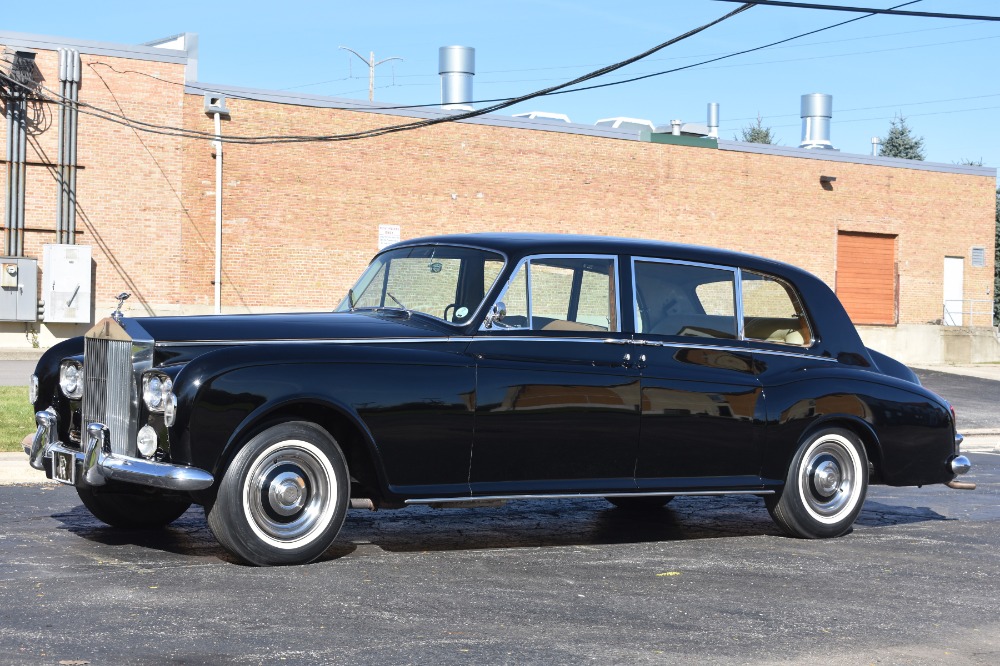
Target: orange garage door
{"type": "Point", "coordinates": [866, 277]}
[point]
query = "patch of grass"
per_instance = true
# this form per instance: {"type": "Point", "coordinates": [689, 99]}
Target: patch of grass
{"type": "Point", "coordinates": [17, 417]}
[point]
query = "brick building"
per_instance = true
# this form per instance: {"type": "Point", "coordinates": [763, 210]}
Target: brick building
{"type": "Point", "coordinates": [301, 220]}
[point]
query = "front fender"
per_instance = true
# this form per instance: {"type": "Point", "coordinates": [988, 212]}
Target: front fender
{"type": "Point", "coordinates": [412, 407]}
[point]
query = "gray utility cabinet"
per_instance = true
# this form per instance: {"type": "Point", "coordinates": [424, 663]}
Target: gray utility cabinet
{"type": "Point", "coordinates": [18, 289]}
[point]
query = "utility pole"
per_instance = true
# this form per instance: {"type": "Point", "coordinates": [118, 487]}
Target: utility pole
{"type": "Point", "coordinates": [371, 69]}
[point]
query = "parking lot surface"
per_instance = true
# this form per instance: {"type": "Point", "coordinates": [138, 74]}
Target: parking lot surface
{"type": "Point", "coordinates": [703, 580]}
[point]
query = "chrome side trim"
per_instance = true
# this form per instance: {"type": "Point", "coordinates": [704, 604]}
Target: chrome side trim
{"type": "Point", "coordinates": [536, 496]}
{"type": "Point", "coordinates": [500, 336]}
{"type": "Point", "coordinates": [312, 341]}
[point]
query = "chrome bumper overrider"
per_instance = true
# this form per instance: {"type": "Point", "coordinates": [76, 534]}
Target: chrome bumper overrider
{"type": "Point", "coordinates": [97, 464]}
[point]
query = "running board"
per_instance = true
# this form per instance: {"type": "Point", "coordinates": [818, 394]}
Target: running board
{"type": "Point", "coordinates": [488, 500]}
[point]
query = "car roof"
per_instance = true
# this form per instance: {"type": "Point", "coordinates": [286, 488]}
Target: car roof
{"type": "Point", "coordinates": [517, 245]}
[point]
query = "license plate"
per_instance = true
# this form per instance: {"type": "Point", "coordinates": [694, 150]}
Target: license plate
{"type": "Point", "coordinates": [64, 467]}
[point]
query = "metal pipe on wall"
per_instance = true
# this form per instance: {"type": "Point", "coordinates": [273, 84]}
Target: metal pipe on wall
{"type": "Point", "coordinates": [8, 208]}
{"type": "Point", "coordinates": [74, 113]}
{"type": "Point", "coordinates": [22, 159]}
{"type": "Point", "coordinates": [61, 153]}
{"type": "Point", "coordinates": [218, 213]}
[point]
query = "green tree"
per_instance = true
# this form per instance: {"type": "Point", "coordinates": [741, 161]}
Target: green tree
{"type": "Point", "coordinates": [756, 133]}
{"type": "Point", "coordinates": [900, 141]}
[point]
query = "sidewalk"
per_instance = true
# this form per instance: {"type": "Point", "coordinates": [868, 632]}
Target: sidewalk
{"type": "Point", "coordinates": [980, 370]}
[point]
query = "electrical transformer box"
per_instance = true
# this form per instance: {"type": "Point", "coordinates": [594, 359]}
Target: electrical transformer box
{"type": "Point", "coordinates": [66, 284]}
{"type": "Point", "coordinates": [18, 289]}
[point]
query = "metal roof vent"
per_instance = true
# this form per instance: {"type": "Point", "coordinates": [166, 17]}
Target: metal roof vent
{"type": "Point", "coordinates": [817, 110]}
{"type": "Point", "coordinates": [713, 120]}
{"type": "Point", "coordinates": [620, 122]}
{"type": "Point", "coordinates": [544, 115]}
{"type": "Point", "coordinates": [457, 66]}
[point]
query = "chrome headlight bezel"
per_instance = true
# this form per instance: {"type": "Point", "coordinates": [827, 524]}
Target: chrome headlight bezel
{"type": "Point", "coordinates": [157, 391]}
{"type": "Point", "coordinates": [71, 379]}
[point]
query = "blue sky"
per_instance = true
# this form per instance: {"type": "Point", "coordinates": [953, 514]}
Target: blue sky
{"type": "Point", "coordinates": [940, 73]}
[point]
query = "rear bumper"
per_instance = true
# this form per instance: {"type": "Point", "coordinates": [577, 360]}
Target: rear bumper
{"type": "Point", "coordinates": [96, 464]}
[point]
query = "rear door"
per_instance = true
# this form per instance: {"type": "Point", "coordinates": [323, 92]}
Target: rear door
{"type": "Point", "coordinates": [701, 401]}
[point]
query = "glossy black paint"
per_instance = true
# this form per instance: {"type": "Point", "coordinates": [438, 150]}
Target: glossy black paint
{"type": "Point", "coordinates": [426, 409]}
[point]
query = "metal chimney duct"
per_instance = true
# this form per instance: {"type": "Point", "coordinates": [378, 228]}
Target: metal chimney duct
{"type": "Point", "coordinates": [457, 66]}
{"type": "Point", "coordinates": [817, 110]}
{"type": "Point", "coordinates": [876, 143]}
{"type": "Point", "coordinates": [713, 120]}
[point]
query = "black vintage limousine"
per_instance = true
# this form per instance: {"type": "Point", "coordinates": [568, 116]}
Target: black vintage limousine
{"type": "Point", "coordinates": [479, 367]}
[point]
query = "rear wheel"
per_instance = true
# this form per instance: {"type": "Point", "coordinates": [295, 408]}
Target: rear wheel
{"type": "Point", "coordinates": [284, 497]}
{"type": "Point", "coordinates": [825, 487]}
{"type": "Point", "coordinates": [131, 510]}
{"type": "Point", "coordinates": [645, 503]}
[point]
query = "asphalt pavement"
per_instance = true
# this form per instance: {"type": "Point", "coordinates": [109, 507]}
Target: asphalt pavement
{"type": "Point", "coordinates": [705, 580]}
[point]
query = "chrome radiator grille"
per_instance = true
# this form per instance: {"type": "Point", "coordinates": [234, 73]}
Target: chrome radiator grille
{"type": "Point", "coordinates": [107, 390]}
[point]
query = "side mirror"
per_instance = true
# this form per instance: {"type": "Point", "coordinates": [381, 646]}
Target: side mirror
{"type": "Point", "coordinates": [496, 314]}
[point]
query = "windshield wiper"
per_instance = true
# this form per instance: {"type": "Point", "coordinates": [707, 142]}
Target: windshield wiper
{"type": "Point", "coordinates": [398, 302]}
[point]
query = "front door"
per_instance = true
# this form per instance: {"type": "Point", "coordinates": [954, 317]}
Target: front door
{"type": "Point", "coordinates": [557, 390]}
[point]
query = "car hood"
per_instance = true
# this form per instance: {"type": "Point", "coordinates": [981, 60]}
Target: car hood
{"type": "Point", "coordinates": [269, 327]}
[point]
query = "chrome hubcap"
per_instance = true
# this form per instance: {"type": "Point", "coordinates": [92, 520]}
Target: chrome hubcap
{"type": "Point", "coordinates": [287, 493]}
{"type": "Point", "coordinates": [828, 478]}
{"type": "Point", "coordinates": [290, 493]}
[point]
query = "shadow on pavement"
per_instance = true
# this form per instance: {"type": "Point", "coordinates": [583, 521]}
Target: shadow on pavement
{"type": "Point", "coordinates": [519, 524]}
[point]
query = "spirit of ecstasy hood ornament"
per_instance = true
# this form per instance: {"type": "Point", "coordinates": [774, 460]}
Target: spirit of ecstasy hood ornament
{"type": "Point", "coordinates": [117, 314]}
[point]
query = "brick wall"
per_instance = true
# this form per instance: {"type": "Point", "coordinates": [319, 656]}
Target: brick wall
{"type": "Point", "coordinates": [301, 220]}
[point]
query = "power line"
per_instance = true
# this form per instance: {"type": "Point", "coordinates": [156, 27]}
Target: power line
{"type": "Point", "coordinates": [559, 92]}
{"type": "Point", "coordinates": [175, 131]}
{"type": "Point", "coordinates": [869, 10]}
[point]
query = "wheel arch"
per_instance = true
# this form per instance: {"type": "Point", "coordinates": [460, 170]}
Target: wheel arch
{"type": "Point", "coordinates": [862, 429]}
{"type": "Point", "coordinates": [343, 424]}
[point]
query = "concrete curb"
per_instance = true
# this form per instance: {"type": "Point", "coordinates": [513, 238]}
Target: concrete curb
{"type": "Point", "coordinates": [16, 354]}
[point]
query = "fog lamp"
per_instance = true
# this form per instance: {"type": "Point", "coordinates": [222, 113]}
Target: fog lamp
{"type": "Point", "coordinates": [146, 441]}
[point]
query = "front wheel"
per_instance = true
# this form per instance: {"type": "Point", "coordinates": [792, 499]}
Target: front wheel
{"type": "Point", "coordinates": [284, 497]}
{"type": "Point", "coordinates": [825, 487]}
{"type": "Point", "coordinates": [132, 511]}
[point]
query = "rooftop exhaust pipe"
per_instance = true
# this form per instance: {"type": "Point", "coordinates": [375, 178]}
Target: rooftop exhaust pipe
{"type": "Point", "coordinates": [457, 66]}
{"type": "Point", "coordinates": [713, 120]}
{"type": "Point", "coordinates": [817, 110]}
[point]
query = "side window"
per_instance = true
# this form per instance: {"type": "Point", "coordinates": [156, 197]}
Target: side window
{"type": "Point", "coordinates": [685, 300]}
{"type": "Point", "coordinates": [565, 294]}
{"type": "Point", "coordinates": [772, 311]}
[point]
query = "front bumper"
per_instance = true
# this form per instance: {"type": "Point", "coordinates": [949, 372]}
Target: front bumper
{"type": "Point", "coordinates": [96, 464]}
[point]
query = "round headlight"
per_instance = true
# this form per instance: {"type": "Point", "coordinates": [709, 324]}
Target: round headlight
{"type": "Point", "coordinates": [153, 394]}
{"type": "Point", "coordinates": [71, 379]}
{"type": "Point", "coordinates": [157, 391]}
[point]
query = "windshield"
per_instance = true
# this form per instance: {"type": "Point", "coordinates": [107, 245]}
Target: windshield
{"type": "Point", "coordinates": [447, 283]}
